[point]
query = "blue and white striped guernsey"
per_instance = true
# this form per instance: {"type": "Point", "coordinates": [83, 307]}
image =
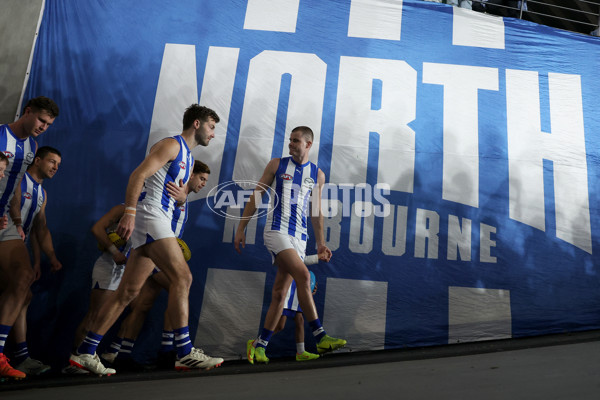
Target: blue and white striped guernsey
{"type": "Point", "coordinates": [180, 216]}
{"type": "Point", "coordinates": [32, 199]}
{"type": "Point", "coordinates": [293, 185]}
{"type": "Point", "coordinates": [155, 187]}
{"type": "Point", "coordinates": [20, 153]}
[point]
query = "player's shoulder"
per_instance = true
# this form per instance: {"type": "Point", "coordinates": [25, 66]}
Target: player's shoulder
{"type": "Point", "coordinates": [168, 144]}
{"type": "Point", "coordinates": [274, 163]}
{"type": "Point", "coordinates": [168, 141]}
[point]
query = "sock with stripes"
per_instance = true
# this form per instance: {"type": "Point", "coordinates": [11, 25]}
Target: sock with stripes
{"type": "Point", "coordinates": [4, 329]}
{"type": "Point", "coordinates": [21, 353]}
{"type": "Point", "coordinates": [167, 344]}
{"type": "Point", "coordinates": [126, 348]}
{"type": "Point", "coordinates": [263, 339]}
{"type": "Point", "coordinates": [90, 344]}
{"type": "Point", "coordinates": [317, 329]}
{"type": "Point", "coordinates": [182, 341]}
{"type": "Point", "coordinates": [115, 346]}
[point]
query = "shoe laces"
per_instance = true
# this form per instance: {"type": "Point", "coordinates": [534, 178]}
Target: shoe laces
{"type": "Point", "coordinates": [199, 353]}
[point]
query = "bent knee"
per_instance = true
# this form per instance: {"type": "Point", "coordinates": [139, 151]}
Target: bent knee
{"type": "Point", "coordinates": [303, 279]}
{"type": "Point", "coordinates": [278, 295]}
{"type": "Point", "coordinates": [126, 294]}
{"type": "Point", "coordinates": [22, 280]}
{"type": "Point", "coordinates": [183, 278]}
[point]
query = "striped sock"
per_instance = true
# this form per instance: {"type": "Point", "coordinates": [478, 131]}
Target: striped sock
{"type": "Point", "coordinates": [115, 346]}
{"type": "Point", "coordinates": [317, 329]}
{"type": "Point", "coordinates": [4, 329]}
{"type": "Point", "coordinates": [21, 353]}
{"type": "Point", "coordinates": [167, 345]}
{"type": "Point", "coordinates": [182, 341]}
{"type": "Point", "coordinates": [89, 344]}
{"type": "Point", "coordinates": [263, 339]}
{"type": "Point", "coordinates": [126, 348]}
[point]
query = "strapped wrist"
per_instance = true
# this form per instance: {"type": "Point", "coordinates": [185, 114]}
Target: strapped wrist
{"type": "Point", "coordinates": [112, 249]}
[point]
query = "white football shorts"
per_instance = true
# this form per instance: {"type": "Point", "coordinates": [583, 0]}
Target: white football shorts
{"type": "Point", "coordinates": [106, 274]}
{"type": "Point", "coordinates": [151, 223]}
{"type": "Point", "coordinates": [276, 242]}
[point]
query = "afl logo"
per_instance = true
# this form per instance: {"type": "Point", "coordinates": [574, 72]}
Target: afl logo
{"type": "Point", "coordinates": [182, 208]}
{"type": "Point", "coordinates": [27, 195]}
{"type": "Point", "coordinates": [228, 199]}
{"type": "Point", "coordinates": [286, 177]}
{"type": "Point", "coordinates": [182, 164]}
{"type": "Point", "coordinates": [8, 154]}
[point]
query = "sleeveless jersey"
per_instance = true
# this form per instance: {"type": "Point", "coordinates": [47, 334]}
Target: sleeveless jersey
{"type": "Point", "coordinates": [180, 216]}
{"type": "Point", "coordinates": [20, 153]}
{"type": "Point", "coordinates": [292, 185]}
{"type": "Point", "coordinates": [155, 187]}
{"type": "Point", "coordinates": [32, 199]}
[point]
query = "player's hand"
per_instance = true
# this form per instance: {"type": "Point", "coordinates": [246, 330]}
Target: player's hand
{"type": "Point", "coordinates": [240, 238]}
{"type": "Point", "coordinates": [21, 232]}
{"type": "Point", "coordinates": [177, 192]}
{"type": "Point", "coordinates": [324, 253]}
{"type": "Point", "coordinates": [119, 258]}
{"type": "Point", "coordinates": [37, 271]}
{"type": "Point", "coordinates": [55, 265]}
{"type": "Point", "coordinates": [3, 222]}
{"type": "Point", "coordinates": [126, 226]}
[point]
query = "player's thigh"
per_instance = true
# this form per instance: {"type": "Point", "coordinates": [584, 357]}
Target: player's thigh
{"type": "Point", "coordinates": [289, 261]}
{"type": "Point", "coordinates": [14, 263]}
{"type": "Point", "coordinates": [138, 269]}
{"type": "Point", "coordinates": [167, 256]}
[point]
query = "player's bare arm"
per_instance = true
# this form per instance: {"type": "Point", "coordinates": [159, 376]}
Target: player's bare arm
{"type": "Point", "coordinates": [317, 218]}
{"type": "Point", "coordinates": [36, 250]}
{"type": "Point", "coordinates": [250, 208]}
{"type": "Point", "coordinates": [161, 153]}
{"type": "Point", "coordinates": [15, 210]}
{"type": "Point", "coordinates": [111, 218]}
{"type": "Point", "coordinates": [41, 231]}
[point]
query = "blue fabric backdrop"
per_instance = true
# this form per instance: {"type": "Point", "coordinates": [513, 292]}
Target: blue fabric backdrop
{"type": "Point", "coordinates": [483, 129]}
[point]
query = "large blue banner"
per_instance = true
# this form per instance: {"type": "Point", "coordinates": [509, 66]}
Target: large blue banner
{"type": "Point", "coordinates": [460, 151]}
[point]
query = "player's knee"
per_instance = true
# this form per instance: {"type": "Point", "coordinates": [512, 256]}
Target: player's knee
{"type": "Point", "coordinates": [183, 279]}
{"type": "Point", "coordinates": [144, 305]}
{"type": "Point", "coordinates": [23, 279]}
{"type": "Point", "coordinates": [278, 295]}
{"type": "Point", "coordinates": [303, 278]}
{"type": "Point", "coordinates": [126, 294]}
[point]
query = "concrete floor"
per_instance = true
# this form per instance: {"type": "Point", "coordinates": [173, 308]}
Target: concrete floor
{"type": "Point", "coordinates": [561, 369]}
